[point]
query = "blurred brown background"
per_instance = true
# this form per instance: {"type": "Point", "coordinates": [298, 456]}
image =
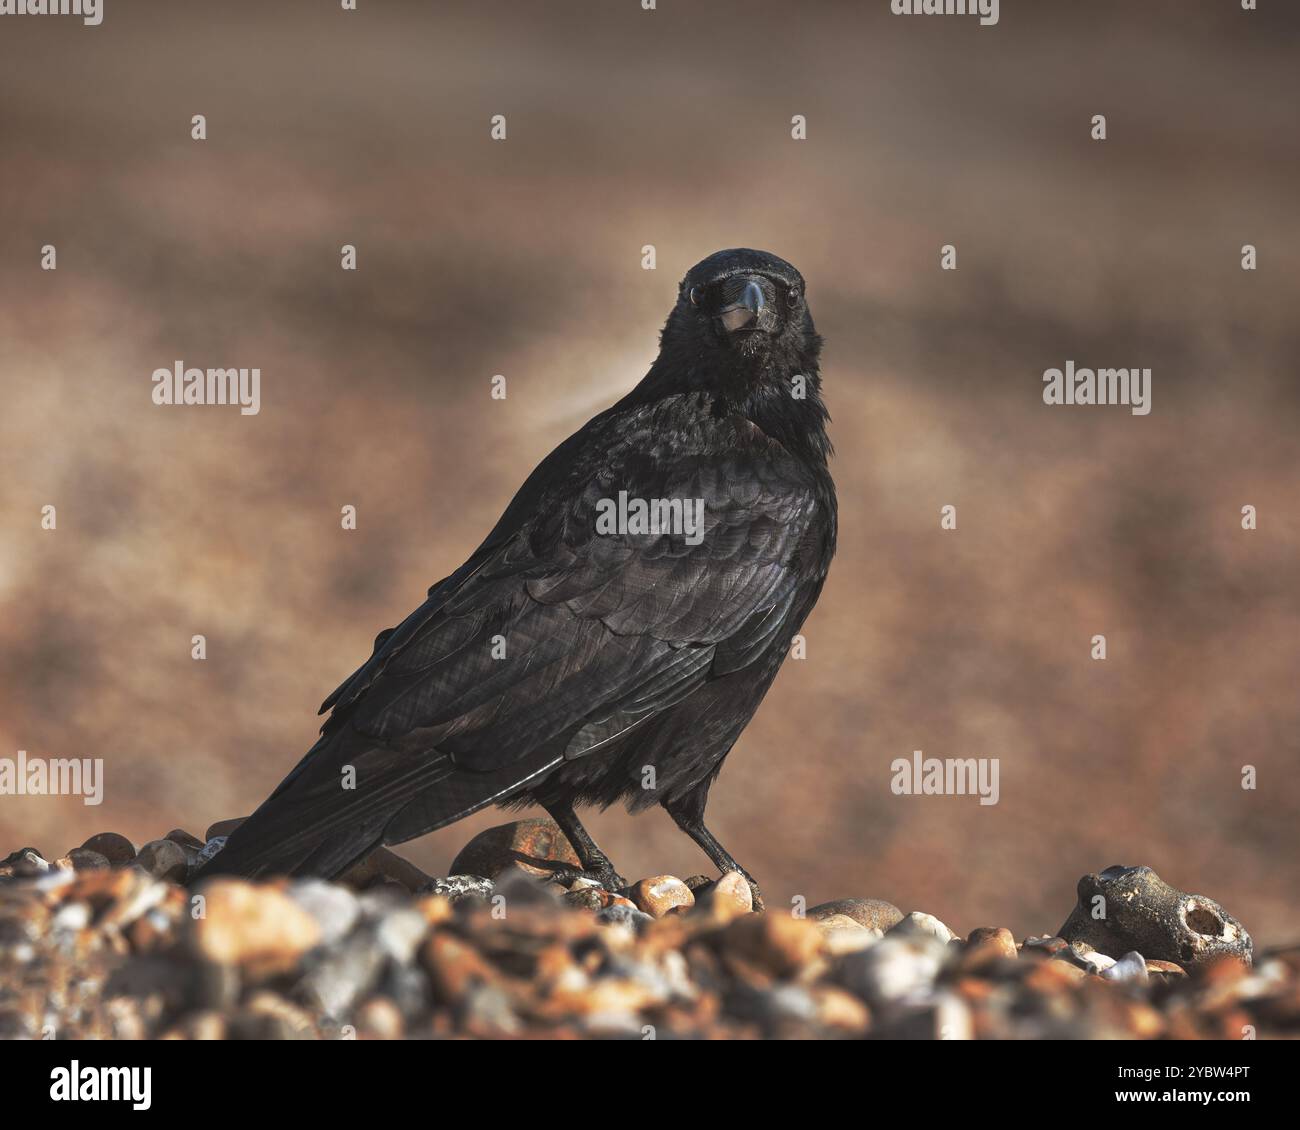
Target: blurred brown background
{"type": "Point", "coordinates": [523, 258]}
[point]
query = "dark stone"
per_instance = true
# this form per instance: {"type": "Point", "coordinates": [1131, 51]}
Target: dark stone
{"type": "Point", "coordinates": [382, 866]}
{"type": "Point", "coordinates": [163, 859]}
{"type": "Point", "coordinates": [1144, 913]}
{"type": "Point", "coordinates": [222, 828]}
{"type": "Point", "coordinates": [113, 847]}
{"type": "Point", "coordinates": [182, 837]}
{"type": "Point", "coordinates": [83, 859]}
{"type": "Point", "coordinates": [25, 863]}
{"type": "Point", "coordinates": [537, 847]}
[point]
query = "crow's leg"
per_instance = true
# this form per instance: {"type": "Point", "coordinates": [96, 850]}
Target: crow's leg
{"type": "Point", "coordinates": [595, 863]}
{"type": "Point", "coordinates": [688, 813]}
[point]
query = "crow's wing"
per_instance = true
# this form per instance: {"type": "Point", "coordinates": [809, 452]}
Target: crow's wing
{"type": "Point", "coordinates": [562, 628]}
{"type": "Point", "coordinates": [554, 638]}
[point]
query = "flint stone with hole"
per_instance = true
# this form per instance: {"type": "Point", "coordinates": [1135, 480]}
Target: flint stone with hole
{"type": "Point", "coordinates": [1146, 914]}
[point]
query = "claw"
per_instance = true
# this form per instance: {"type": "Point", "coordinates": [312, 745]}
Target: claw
{"type": "Point", "coordinates": [609, 879]}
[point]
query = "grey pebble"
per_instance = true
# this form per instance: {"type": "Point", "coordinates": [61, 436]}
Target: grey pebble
{"type": "Point", "coordinates": [624, 915]}
{"type": "Point", "coordinates": [456, 888]}
{"type": "Point", "coordinates": [1132, 968]}
{"type": "Point", "coordinates": [335, 908]}
{"type": "Point", "coordinates": [897, 966]}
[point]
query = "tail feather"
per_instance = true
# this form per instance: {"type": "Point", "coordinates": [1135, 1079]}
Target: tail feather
{"type": "Point", "coordinates": [352, 794]}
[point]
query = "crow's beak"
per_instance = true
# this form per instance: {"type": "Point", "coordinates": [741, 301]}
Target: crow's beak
{"type": "Point", "coordinates": [745, 310]}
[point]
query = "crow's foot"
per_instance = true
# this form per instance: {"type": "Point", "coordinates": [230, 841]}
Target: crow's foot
{"type": "Point", "coordinates": [606, 877]}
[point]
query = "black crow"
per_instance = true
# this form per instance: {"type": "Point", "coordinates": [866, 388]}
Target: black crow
{"type": "Point", "coordinates": [582, 655]}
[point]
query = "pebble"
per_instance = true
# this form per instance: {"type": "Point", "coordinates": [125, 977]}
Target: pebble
{"type": "Point", "coordinates": [587, 897]}
{"type": "Point", "coordinates": [342, 976]}
{"type": "Point", "coordinates": [777, 943]}
{"type": "Point", "coordinates": [86, 859]}
{"type": "Point", "coordinates": [942, 1015]}
{"type": "Point", "coordinates": [779, 1004]}
{"type": "Point", "coordinates": [1047, 946]}
{"type": "Point", "coordinates": [398, 934]}
{"type": "Point", "coordinates": [115, 953]}
{"type": "Point", "coordinates": [122, 897]}
{"type": "Point", "coordinates": [205, 1025]}
{"type": "Point", "coordinates": [661, 895]}
{"type": "Point", "coordinates": [71, 917]}
{"type": "Point", "coordinates": [527, 844]}
{"type": "Point", "coordinates": [335, 909]}
{"type": "Point", "coordinates": [267, 1016]}
{"type": "Point", "coordinates": [516, 888]}
{"type": "Point", "coordinates": [729, 897]}
{"type": "Point", "coordinates": [989, 943]}
{"type": "Point", "coordinates": [436, 909]}
{"type": "Point", "coordinates": [844, 935]}
{"type": "Point", "coordinates": [407, 987]}
{"type": "Point", "coordinates": [487, 1013]}
{"type": "Point", "coordinates": [210, 849]}
{"type": "Point", "coordinates": [383, 866]}
{"type": "Point", "coordinates": [896, 966]}
{"type": "Point", "coordinates": [455, 967]}
{"type": "Point", "coordinates": [1129, 968]}
{"type": "Point", "coordinates": [460, 888]}
{"type": "Point", "coordinates": [1048, 976]}
{"type": "Point", "coordinates": [23, 864]}
{"type": "Point", "coordinates": [1086, 958]}
{"type": "Point", "coordinates": [622, 913]}
{"type": "Point", "coordinates": [1146, 914]}
{"type": "Point", "coordinates": [873, 914]}
{"type": "Point", "coordinates": [192, 846]}
{"type": "Point", "coordinates": [380, 1019]}
{"type": "Point", "coordinates": [837, 1009]}
{"type": "Point", "coordinates": [222, 828]}
{"type": "Point", "coordinates": [258, 926]}
{"type": "Point", "coordinates": [182, 837]}
{"type": "Point", "coordinates": [163, 859]}
{"type": "Point", "coordinates": [115, 848]}
{"type": "Point", "coordinates": [918, 923]}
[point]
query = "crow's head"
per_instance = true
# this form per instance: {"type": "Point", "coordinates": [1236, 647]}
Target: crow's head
{"type": "Point", "coordinates": [741, 333]}
{"type": "Point", "coordinates": [746, 306]}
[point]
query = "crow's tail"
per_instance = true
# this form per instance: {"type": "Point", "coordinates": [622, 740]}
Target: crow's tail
{"type": "Point", "coordinates": [352, 794]}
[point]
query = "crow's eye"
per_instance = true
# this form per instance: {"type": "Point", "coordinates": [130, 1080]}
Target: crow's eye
{"type": "Point", "coordinates": [697, 292]}
{"type": "Point", "coordinates": [793, 297]}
